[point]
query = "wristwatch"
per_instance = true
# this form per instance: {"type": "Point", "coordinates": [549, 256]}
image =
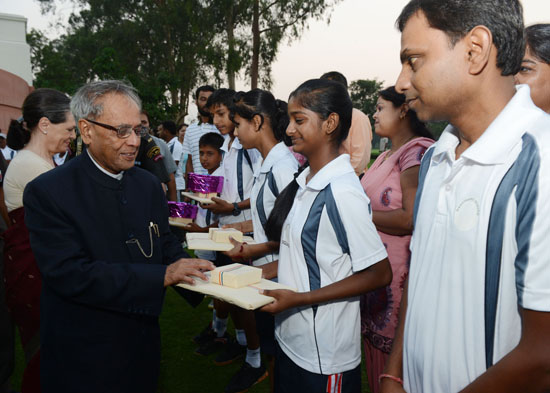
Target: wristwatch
{"type": "Point", "coordinates": [236, 209]}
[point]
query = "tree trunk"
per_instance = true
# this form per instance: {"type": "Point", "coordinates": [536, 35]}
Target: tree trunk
{"type": "Point", "coordinates": [255, 45]}
{"type": "Point", "coordinates": [230, 27]}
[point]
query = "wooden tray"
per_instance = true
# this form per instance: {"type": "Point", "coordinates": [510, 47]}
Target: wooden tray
{"type": "Point", "coordinates": [201, 241]}
{"type": "Point", "coordinates": [248, 297]}
{"type": "Point", "coordinates": [179, 224]}
{"type": "Point", "coordinates": [194, 196]}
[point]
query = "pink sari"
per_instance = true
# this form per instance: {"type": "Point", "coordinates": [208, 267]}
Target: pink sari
{"type": "Point", "coordinates": [380, 308]}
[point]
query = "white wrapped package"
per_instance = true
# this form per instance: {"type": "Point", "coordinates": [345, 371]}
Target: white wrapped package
{"type": "Point", "coordinates": [236, 275]}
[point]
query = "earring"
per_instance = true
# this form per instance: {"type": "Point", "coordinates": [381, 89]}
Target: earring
{"type": "Point", "coordinates": [44, 132]}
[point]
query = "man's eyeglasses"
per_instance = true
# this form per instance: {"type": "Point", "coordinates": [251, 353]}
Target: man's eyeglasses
{"type": "Point", "coordinates": [124, 130]}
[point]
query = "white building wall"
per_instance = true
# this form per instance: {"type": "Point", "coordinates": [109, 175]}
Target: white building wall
{"type": "Point", "coordinates": [15, 53]}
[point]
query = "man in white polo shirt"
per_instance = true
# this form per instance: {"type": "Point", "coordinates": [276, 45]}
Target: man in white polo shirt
{"type": "Point", "coordinates": [476, 313]}
{"type": "Point", "coordinates": [196, 130]}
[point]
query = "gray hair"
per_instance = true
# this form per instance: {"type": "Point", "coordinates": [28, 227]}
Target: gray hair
{"type": "Point", "coordinates": [84, 103]}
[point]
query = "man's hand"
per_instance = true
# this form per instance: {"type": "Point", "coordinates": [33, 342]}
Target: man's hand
{"type": "Point", "coordinates": [238, 252]}
{"type": "Point", "coordinates": [219, 206]}
{"type": "Point", "coordinates": [193, 227]}
{"type": "Point", "coordinates": [243, 226]}
{"type": "Point", "coordinates": [284, 299]}
{"type": "Point", "coordinates": [183, 269]}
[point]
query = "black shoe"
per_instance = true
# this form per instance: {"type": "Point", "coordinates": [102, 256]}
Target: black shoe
{"type": "Point", "coordinates": [245, 378]}
{"type": "Point", "coordinates": [207, 334]}
{"type": "Point", "coordinates": [213, 346]}
{"type": "Point", "coordinates": [233, 351]}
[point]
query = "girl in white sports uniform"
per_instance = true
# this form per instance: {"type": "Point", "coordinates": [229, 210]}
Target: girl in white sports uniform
{"type": "Point", "coordinates": [329, 250]}
{"type": "Point", "coordinates": [260, 123]}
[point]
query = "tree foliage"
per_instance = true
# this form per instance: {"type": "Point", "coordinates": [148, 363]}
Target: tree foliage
{"type": "Point", "coordinates": [364, 94]}
{"type": "Point", "coordinates": [165, 48]}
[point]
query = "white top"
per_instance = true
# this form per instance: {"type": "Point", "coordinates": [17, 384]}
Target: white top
{"type": "Point", "coordinates": [8, 153]}
{"type": "Point", "coordinates": [452, 244]}
{"type": "Point", "coordinates": [204, 219]}
{"type": "Point", "coordinates": [191, 143]}
{"type": "Point", "coordinates": [60, 160]}
{"type": "Point", "coordinates": [202, 214]}
{"type": "Point", "coordinates": [326, 341]}
{"type": "Point", "coordinates": [279, 166]}
{"type": "Point", "coordinates": [175, 148]}
{"type": "Point", "coordinates": [231, 175]}
{"type": "Point", "coordinates": [25, 167]}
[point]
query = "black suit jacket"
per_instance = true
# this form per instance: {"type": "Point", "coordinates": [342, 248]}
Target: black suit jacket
{"type": "Point", "coordinates": [102, 293]}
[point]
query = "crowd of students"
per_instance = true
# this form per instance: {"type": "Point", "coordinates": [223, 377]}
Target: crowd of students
{"type": "Point", "coordinates": [343, 240]}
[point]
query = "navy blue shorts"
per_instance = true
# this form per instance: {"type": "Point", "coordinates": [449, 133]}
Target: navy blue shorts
{"type": "Point", "coordinates": [291, 378]}
{"type": "Point", "coordinates": [265, 327]}
{"type": "Point", "coordinates": [222, 259]}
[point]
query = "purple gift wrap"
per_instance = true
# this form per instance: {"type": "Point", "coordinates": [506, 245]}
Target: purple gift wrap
{"type": "Point", "coordinates": [182, 210]}
{"type": "Point", "coordinates": [205, 184]}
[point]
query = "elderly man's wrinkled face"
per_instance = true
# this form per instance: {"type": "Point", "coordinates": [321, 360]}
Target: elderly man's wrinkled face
{"type": "Point", "coordinates": [111, 152]}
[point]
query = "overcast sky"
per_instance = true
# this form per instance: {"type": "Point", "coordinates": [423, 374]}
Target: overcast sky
{"type": "Point", "coordinates": [361, 41]}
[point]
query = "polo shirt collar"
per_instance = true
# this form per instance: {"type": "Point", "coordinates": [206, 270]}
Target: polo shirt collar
{"type": "Point", "coordinates": [235, 145]}
{"type": "Point", "coordinates": [173, 140]}
{"type": "Point", "coordinates": [277, 153]}
{"type": "Point", "coordinates": [336, 168]}
{"type": "Point", "coordinates": [498, 140]}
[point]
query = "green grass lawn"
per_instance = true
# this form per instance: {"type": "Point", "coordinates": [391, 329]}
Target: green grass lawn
{"type": "Point", "coordinates": [181, 370]}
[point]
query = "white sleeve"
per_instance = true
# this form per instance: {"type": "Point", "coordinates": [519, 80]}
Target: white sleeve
{"type": "Point", "coordinates": [177, 151]}
{"type": "Point", "coordinates": [284, 174]}
{"type": "Point", "coordinates": [533, 259]}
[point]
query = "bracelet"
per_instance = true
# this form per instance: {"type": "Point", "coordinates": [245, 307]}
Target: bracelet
{"type": "Point", "coordinates": [242, 248]}
{"type": "Point", "coordinates": [382, 376]}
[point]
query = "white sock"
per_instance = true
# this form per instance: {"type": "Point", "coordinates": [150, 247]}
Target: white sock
{"type": "Point", "coordinates": [221, 326]}
{"type": "Point", "coordinates": [214, 320]}
{"type": "Point", "coordinates": [241, 337]}
{"type": "Point", "coordinates": [253, 357]}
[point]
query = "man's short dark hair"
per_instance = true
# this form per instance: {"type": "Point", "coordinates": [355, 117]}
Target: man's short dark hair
{"type": "Point", "coordinates": [538, 39]}
{"type": "Point", "coordinates": [335, 76]}
{"type": "Point", "coordinates": [203, 88]}
{"type": "Point", "coordinates": [221, 97]}
{"type": "Point", "coordinates": [212, 139]}
{"type": "Point", "coordinates": [170, 126]}
{"type": "Point", "coordinates": [504, 18]}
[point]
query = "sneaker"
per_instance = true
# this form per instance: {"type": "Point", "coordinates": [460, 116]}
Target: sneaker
{"type": "Point", "coordinates": [213, 346]}
{"type": "Point", "coordinates": [233, 351]}
{"type": "Point", "coordinates": [245, 378]}
{"type": "Point", "coordinates": [207, 334]}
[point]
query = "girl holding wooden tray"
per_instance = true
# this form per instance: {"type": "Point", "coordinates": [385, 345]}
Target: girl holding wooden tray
{"type": "Point", "coordinates": [260, 123]}
{"type": "Point", "coordinates": [329, 250]}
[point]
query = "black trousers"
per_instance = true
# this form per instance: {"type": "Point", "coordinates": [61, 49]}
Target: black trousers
{"type": "Point", "coordinates": [291, 378]}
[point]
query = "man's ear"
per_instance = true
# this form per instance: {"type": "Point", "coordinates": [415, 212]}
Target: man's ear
{"type": "Point", "coordinates": [85, 131]}
{"type": "Point", "coordinates": [331, 123]}
{"type": "Point", "coordinates": [480, 47]}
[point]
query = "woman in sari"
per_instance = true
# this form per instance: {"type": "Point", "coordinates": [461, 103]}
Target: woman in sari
{"type": "Point", "coordinates": [46, 128]}
{"type": "Point", "coordinates": [390, 184]}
